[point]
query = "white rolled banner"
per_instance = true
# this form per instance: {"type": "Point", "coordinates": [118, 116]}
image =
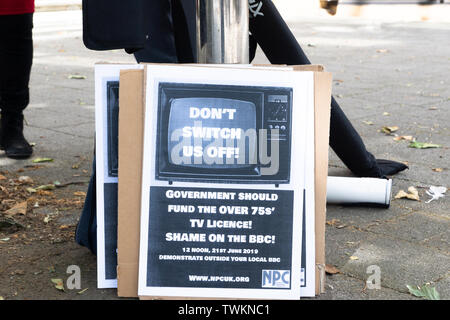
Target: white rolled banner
{"type": "Point", "coordinates": [345, 190]}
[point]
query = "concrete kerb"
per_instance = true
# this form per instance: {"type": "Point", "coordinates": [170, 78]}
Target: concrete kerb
{"type": "Point", "coordinates": [57, 5]}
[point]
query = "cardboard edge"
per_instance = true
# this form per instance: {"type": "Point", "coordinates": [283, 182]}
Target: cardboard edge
{"type": "Point", "coordinates": [322, 97]}
{"type": "Point", "coordinates": [130, 111]}
{"type": "Point", "coordinates": [309, 67]}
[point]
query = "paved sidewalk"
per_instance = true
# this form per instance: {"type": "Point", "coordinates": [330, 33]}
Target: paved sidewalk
{"type": "Point", "coordinates": [385, 73]}
{"type": "Point", "coordinates": [57, 5]}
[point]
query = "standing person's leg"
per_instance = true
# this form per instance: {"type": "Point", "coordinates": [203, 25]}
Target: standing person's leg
{"type": "Point", "coordinates": [280, 46]}
{"type": "Point", "coordinates": [16, 56]}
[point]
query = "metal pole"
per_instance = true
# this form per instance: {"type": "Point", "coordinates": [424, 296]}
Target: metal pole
{"type": "Point", "coordinates": [222, 31]}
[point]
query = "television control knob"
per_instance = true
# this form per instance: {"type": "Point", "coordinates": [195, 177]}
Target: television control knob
{"type": "Point", "coordinates": [283, 128]}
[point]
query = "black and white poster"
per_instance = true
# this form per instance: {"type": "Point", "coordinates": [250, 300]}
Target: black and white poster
{"type": "Point", "coordinates": [106, 144]}
{"type": "Point", "coordinates": [224, 181]}
{"type": "Point", "coordinates": [208, 238]}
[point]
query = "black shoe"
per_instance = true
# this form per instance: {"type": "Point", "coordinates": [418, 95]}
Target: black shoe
{"type": "Point", "coordinates": [11, 137]}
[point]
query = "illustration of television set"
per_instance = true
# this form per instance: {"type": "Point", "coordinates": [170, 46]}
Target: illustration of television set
{"type": "Point", "coordinates": [223, 134]}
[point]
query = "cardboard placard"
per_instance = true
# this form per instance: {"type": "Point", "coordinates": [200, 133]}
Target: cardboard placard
{"type": "Point", "coordinates": [130, 155]}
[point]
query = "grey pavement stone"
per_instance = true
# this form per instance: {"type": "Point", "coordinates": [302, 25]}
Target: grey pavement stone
{"type": "Point", "coordinates": [401, 262]}
{"type": "Point", "coordinates": [414, 227]}
{"type": "Point", "coordinates": [84, 130]}
{"type": "Point", "coordinates": [342, 287]}
{"type": "Point", "coordinates": [363, 217]}
{"type": "Point", "coordinates": [439, 241]}
{"type": "Point", "coordinates": [345, 242]}
{"type": "Point", "coordinates": [45, 118]}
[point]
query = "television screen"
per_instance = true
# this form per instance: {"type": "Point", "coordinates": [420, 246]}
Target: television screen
{"type": "Point", "coordinates": [211, 132]}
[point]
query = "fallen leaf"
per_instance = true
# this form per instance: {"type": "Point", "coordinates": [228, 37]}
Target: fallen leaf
{"type": "Point", "coordinates": [18, 272]}
{"type": "Point", "coordinates": [47, 219]}
{"type": "Point", "coordinates": [426, 291]}
{"type": "Point", "coordinates": [331, 269]}
{"type": "Point", "coordinates": [43, 193]}
{"type": "Point", "coordinates": [423, 145]}
{"type": "Point", "coordinates": [438, 169]}
{"type": "Point", "coordinates": [7, 223]}
{"type": "Point", "coordinates": [2, 177]}
{"type": "Point", "coordinates": [407, 138]}
{"type": "Point", "coordinates": [40, 160]}
{"type": "Point", "coordinates": [412, 195]}
{"type": "Point", "coordinates": [77, 77]}
{"type": "Point", "coordinates": [386, 114]}
{"type": "Point", "coordinates": [369, 123]}
{"type": "Point", "coordinates": [82, 291]}
{"type": "Point", "coordinates": [413, 191]}
{"type": "Point", "coordinates": [25, 180]}
{"type": "Point", "coordinates": [389, 130]}
{"type": "Point", "coordinates": [79, 194]}
{"type": "Point", "coordinates": [354, 258]}
{"type": "Point", "coordinates": [46, 187]}
{"type": "Point", "coordinates": [20, 208]}
{"type": "Point", "coordinates": [59, 284]}
{"type": "Point", "coordinates": [333, 222]}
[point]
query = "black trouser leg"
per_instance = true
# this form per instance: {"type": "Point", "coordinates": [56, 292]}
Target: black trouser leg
{"type": "Point", "coordinates": [16, 56]}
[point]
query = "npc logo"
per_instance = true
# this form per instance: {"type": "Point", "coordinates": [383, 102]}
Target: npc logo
{"type": "Point", "coordinates": [276, 279]}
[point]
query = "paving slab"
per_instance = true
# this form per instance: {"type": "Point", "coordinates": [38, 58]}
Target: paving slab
{"type": "Point", "coordinates": [342, 287]}
{"type": "Point", "coordinates": [401, 262]}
